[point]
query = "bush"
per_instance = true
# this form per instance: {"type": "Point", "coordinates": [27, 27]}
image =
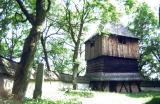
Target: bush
{"type": "Point", "coordinates": [79, 93]}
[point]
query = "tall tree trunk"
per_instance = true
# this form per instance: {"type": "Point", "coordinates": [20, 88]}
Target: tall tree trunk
{"type": "Point", "coordinates": [75, 73]}
{"type": "Point", "coordinates": [22, 74]}
{"type": "Point", "coordinates": [75, 67]}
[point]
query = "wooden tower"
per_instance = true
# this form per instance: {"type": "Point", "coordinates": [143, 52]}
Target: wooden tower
{"type": "Point", "coordinates": [112, 61]}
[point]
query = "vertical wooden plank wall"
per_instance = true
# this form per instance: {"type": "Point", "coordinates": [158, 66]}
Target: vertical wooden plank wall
{"type": "Point", "coordinates": [109, 46]}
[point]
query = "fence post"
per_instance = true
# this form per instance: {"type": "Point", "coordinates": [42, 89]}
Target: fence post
{"type": "Point", "coordinates": [38, 81]}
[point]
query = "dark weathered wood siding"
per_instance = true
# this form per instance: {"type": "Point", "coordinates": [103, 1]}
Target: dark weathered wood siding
{"type": "Point", "coordinates": [95, 50]}
{"type": "Point", "coordinates": [112, 64]}
{"type": "Point", "coordinates": [110, 46]}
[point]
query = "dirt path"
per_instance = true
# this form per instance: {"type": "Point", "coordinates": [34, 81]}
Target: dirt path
{"type": "Point", "coordinates": [51, 92]}
{"type": "Point", "coordinates": [99, 98]}
{"type": "Point", "coordinates": [113, 98]}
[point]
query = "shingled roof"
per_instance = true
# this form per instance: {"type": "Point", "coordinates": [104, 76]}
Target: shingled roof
{"type": "Point", "coordinates": [114, 29]}
{"type": "Point", "coordinates": [119, 29]}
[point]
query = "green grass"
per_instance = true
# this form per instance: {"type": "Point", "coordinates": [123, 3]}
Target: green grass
{"type": "Point", "coordinates": [155, 100]}
{"type": "Point", "coordinates": [46, 101]}
{"type": "Point", "coordinates": [79, 93]}
{"type": "Point", "coordinates": [73, 95]}
{"type": "Point", "coordinates": [154, 94]}
{"type": "Point", "coordinates": [144, 94]}
{"type": "Point", "coordinates": [39, 101]}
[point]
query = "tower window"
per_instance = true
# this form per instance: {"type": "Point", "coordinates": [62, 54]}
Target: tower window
{"type": "Point", "coordinates": [92, 44]}
{"type": "Point", "coordinates": [121, 40]}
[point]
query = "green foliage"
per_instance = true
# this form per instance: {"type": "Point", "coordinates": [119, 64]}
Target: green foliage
{"type": "Point", "coordinates": [10, 22]}
{"type": "Point", "coordinates": [155, 100]}
{"type": "Point", "coordinates": [144, 94]}
{"type": "Point", "coordinates": [79, 93]}
{"type": "Point", "coordinates": [144, 26]}
{"type": "Point", "coordinates": [145, 22]}
{"type": "Point", "coordinates": [40, 101]}
{"type": "Point", "coordinates": [151, 56]}
{"type": "Point", "coordinates": [74, 19]}
{"type": "Point", "coordinates": [60, 56]}
{"type": "Point", "coordinates": [130, 6]}
{"type": "Point", "coordinates": [130, 3]}
{"type": "Point", "coordinates": [105, 12]}
{"type": "Point", "coordinates": [154, 94]}
{"type": "Point", "coordinates": [46, 101]}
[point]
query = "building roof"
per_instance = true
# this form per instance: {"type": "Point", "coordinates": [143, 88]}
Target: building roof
{"type": "Point", "coordinates": [119, 29]}
{"type": "Point", "coordinates": [115, 29]}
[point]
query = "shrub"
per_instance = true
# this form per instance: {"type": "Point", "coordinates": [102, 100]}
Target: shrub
{"type": "Point", "coordinates": [79, 93]}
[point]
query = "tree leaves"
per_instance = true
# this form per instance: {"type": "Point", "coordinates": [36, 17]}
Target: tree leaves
{"type": "Point", "coordinates": [144, 27]}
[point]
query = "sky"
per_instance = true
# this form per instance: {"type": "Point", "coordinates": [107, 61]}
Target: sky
{"type": "Point", "coordinates": [154, 4]}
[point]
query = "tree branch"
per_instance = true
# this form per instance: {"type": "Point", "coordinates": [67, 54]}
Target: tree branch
{"type": "Point", "coordinates": [8, 59]}
{"type": "Point", "coordinates": [156, 56]}
{"type": "Point", "coordinates": [49, 5]}
{"type": "Point", "coordinates": [18, 14]}
{"type": "Point", "coordinates": [70, 25]}
{"type": "Point", "coordinates": [29, 17]}
{"type": "Point", "coordinates": [69, 44]}
{"type": "Point", "coordinates": [76, 7]}
{"type": "Point", "coordinates": [52, 34]}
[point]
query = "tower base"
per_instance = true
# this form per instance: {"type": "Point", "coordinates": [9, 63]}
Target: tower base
{"type": "Point", "coordinates": [116, 86]}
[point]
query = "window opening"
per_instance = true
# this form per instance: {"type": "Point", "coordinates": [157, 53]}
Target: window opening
{"type": "Point", "coordinates": [121, 40]}
{"type": "Point", "coordinates": [92, 44]}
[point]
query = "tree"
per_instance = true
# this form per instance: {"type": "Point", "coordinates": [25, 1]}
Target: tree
{"type": "Point", "coordinates": [144, 26]}
{"type": "Point", "coordinates": [46, 35]}
{"type": "Point", "coordinates": [151, 58]}
{"type": "Point", "coordinates": [10, 40]}
{"type": "Point", "coordinates": [74, 21]}
{"type": "Point", "coordinates": [10, 22]}
{"type": "Point", "coordinates": [60, 55]}
{"type": "Point", "coordinates": [36, 20]}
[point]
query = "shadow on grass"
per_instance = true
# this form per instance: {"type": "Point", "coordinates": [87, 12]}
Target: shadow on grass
{"type": "Point", "coordinates": [155, 100]}
{"type": "Point", "coordinates": [144, 94]}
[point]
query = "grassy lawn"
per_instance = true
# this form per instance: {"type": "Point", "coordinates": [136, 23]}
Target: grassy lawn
{"type": "Point", "coordinates": [144, 94]}
{"type": "Point", "coordinates": [155, 96]}
{"type": "Point", "coordinates": [92, 97]}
